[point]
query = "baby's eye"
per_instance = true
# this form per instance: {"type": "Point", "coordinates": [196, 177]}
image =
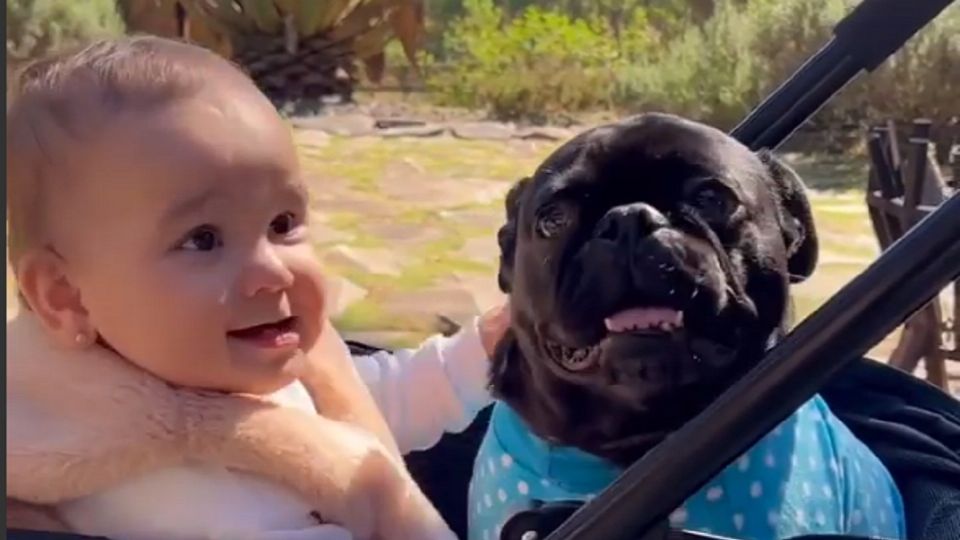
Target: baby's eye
{"type": "Point", "coordinates": [284, 224]}
{"type": "Point", "coordinates": [203, 238]}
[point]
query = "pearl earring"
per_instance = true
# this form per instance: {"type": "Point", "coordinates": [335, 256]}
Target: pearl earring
{"type": "Point", "coordinates": [80, 338]}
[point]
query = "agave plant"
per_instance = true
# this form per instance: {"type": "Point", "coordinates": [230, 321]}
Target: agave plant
{"type": "Point", "coordinates": [296, 50]}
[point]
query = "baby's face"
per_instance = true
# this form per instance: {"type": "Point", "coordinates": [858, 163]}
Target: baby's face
{"type": "Point", "coordinates": [184, 230]}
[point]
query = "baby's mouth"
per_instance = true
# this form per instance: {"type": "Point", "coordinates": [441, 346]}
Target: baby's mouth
{"type": "Point", "coordinates": [282, 333]}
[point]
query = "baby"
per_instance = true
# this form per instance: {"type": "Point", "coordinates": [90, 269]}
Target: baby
{"type": "Point", "coordinates": [157, 212]}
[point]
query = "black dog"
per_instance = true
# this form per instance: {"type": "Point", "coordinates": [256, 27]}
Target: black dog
{"type": "Point", "coordinates": [648, 264]}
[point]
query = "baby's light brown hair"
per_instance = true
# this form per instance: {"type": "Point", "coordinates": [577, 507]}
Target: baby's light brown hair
{"type": "Point", "coordinates": [60, 101]}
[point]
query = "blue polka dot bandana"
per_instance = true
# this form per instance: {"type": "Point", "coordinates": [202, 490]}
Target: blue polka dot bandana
{"type": "Point", "coordinates": [810, 475]}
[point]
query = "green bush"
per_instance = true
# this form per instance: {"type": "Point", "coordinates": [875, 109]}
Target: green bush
{"type": "Point", "coordinates": [534, 66]}
{"type": "Point", "coordinates": [37, 27]}
{"type": "Point", "coordinates": [921, 80]}
{"type": "Point", "coordinates": [705, 72]}
{"type": "Point", "coordinates": [542, 63]}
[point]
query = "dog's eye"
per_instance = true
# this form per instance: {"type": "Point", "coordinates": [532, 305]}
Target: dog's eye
{"type": "Point", "coordinates": [552, 221]}
{"type": "Point", "coordinates": [715, 201]}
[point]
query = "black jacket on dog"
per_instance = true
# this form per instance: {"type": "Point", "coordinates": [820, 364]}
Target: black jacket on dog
{"type": "Point", "coordinates": [914, 428]}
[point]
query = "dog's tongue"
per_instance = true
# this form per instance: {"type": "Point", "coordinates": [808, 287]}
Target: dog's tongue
{"type": "Point", "coordinates": [644, 318]}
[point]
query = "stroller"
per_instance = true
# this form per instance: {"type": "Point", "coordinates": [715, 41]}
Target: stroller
{"type": "Point", "coordinates": [913, 427]}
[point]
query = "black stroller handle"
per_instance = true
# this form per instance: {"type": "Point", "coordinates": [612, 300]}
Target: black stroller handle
{"type": "Point", "coordinates": [888, 23]}
{"type": "Point", "coordinates": [902, 279]}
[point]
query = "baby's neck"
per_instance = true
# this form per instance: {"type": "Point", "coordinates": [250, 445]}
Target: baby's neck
{"type": "Point", "coordinates": [295, 396]}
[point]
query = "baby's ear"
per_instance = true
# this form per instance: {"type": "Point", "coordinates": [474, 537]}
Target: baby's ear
{"type": "Point", "coordinates": [50, 294]}
{"type": "Point", "coordinates": [507, 235]}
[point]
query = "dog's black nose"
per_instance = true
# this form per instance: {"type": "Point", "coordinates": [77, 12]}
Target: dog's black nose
{"type": "Point", "coordinates": [629, 222]}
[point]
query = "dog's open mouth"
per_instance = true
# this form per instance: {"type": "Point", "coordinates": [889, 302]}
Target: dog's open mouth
{"type": "Point", "coordinates": [644, 319]}
{"type": "Point", "coordinates": [652, 322]}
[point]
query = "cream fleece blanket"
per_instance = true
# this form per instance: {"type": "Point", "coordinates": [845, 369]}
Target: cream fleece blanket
{"type": "Point", "coordinates": [81, 421]}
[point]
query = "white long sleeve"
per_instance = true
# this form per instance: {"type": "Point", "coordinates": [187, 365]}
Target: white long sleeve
{"type": "Point", "coordinates": [423, 393]}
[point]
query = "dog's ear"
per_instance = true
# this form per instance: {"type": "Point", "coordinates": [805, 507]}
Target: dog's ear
{"type": "Point", "coordinates": [506, 366]}
{"type": "Point", "coordinates": [507, 235]}
{"type": "Point", "coordinates": [796, 218]}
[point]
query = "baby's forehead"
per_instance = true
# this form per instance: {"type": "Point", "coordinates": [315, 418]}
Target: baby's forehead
{"type": "Point", "coordinates": [153, 161]}
{"type": "Point", "coordinates": [61, 107]}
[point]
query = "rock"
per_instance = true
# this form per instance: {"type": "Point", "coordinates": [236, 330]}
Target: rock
{"type": "Point", "coordinates": [481, 249]}
{"type": "Point", "coordinates": [339, 201]}
{"type": "Point", "coordinates": [366, 260]}
{"type": "Point", "coordinates": [483, 288]}
{"type": "Point", "coordinates": [390, 123]}
{"type": "Point", "coordinates": [400, 235]}
{"type": "Point", "coordinates": [454, 302]}
{"type": "Point", "coordinates": [488, 131]}
{"type": "Point", "coordinates": [545, 133]}
{"type": "Point", "coordinates": [432, 193]}
{"type": "Point", "coordinates": [346, 293]}
{"type": "Point", "coordinates": [345, 125]}
{"type": "Point", "coordinates": [322, 234]}
{"type": "Point", "coordinates": [404, 167]}
{"type": "Point", "coordinates": [427, 130]}
{"type": "Point", "coordinates": [535, 149]}
{"type": "Point", "coordinates": [311, 138]}
{"type": "Point", "coordinates": [485, 219]}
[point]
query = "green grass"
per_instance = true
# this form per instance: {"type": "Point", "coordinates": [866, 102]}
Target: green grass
{"type": "Point", "coordinates": [360, 165]}
{"type": "Point", "coordinates": [428, 265]}
{"type": "Point", "coordinates": [360, 315]}
{"type": "Point", "coordinates": [847, 243]}
{"type": "Point", "coordinates": [363, 162]}
{"type": "Point", "coordinates": [353, 223]}
{"type": "Point", "coordinates": [833, 173]}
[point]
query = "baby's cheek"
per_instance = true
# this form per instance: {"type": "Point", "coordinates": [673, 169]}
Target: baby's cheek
{"type": "Point", "coordinates": [310, 296]}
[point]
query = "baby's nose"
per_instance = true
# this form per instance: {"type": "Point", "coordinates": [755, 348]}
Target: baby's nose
{"type": "Point", "coordinates": [266, 272]}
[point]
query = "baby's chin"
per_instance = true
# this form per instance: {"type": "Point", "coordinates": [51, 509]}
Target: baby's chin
{"type": "Point", "coordinates": [261, 381]}
{"type": "Point", "coordinates": [243, 376]}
